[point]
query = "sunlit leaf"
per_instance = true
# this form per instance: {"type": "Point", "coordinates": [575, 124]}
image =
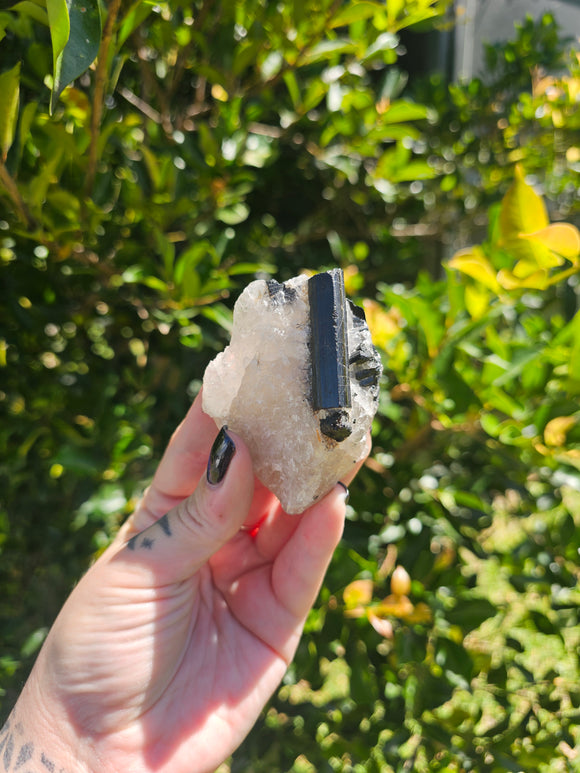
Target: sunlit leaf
{"type": "Point", "coordinates": [522, 212]}
{"type": "Point", "coordinates": [477, 299]}
{"type": "Point", "coordinates": [473, 263]}
{"type": "Point", "coordinates": [9, 98]}
{"type": "Point", "coordinates": [394, 606]}
{"type": "Point", "coordinates": [399, 111]}
{"type": "Point", "coordinates": [539, 280]}
{"type": "Point", "coordinates": [328, 49]}
{"type": "Point", "coordinates": [571, 457]}
{"type": "Point", "coordinates": [561, 238]}
{"type": "Point", "coordinates": [59, 23]}
{"type": "Point", "coordinates": [384, 325]}
{"type": "Point", "coordinates": [234, 214]}
{"type": "Point", "coordinates": [556, 430]}
{"type": "Point", "coordinates": [355, 12]}
{"type": "Point", "coordinates": [358, 593]}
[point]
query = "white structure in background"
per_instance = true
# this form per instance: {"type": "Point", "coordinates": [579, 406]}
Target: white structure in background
{"type": "Point", "coordinates": [492, 21]}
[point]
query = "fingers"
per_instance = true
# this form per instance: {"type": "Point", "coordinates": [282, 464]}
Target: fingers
{"type": "Point", "coordinates": [181, 467]}
{"type": "Point", "coordinates": [181, 541]}
{"type": "Point", "coordinates": [277, 527]}
{"type": "Point", "coordinates": [299, 569]}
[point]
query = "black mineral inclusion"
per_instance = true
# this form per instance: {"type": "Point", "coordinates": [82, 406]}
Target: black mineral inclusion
{"type": "Point", "coordinates": [329, 353]}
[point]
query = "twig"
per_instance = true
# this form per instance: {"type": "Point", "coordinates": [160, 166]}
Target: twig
{"type": "Point", "coordinates": [12, 190]}
{"type": "Point", "coordinates": [99, 94]}
{"type": "Point", "coordinates": [141, 105]}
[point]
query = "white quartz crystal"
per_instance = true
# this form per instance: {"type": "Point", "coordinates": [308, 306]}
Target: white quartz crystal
{"type": "Point", "coordinates": [260, 387]}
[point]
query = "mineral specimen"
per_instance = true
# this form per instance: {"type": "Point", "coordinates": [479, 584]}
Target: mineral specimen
{"type": "Point", "coordinates": [299, 382]}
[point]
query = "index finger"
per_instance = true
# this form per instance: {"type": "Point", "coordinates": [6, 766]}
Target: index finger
{"type": "Point", "coordinates": [182, 465]}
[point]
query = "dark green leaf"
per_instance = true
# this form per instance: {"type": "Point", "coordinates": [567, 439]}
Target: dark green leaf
{"type": "Point", "coordinates": [81, 46]}
{"type": "Point", "coordinates": [469, 613]}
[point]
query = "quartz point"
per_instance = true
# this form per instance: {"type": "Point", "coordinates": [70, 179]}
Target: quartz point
{"type": "Point", "coordinates": [299, 382]}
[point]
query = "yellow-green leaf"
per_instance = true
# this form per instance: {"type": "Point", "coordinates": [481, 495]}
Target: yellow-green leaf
{"type": "Point", "coordinates": [556, 430]}
{"type": "Point", "coordinates": [33, 10]}
{"type": "Point", "coordinates": [394, 606]}
{"type": "Point", "coordinates": [560, 238]}
{"type": "Point", "coordinates": [9, 97]}
{"type": "Point", "coordinates": [539, 280]}
{"type": "Point", "coordinates": [473, 263]}
{"type": "Point", "coordinates": [355, 12]}
{"type": "Point", "coordinates": [59, 23]}
{"type": "Point", "coordinates": [476, 300]}
{"type": "Point", "coordinates": [358, 593]}
{"type": "Point", "coordinates": [522, 210]}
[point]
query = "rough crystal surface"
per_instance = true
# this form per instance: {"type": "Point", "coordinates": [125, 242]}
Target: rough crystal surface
{"type": "Point", "coordinates": [261, 387]}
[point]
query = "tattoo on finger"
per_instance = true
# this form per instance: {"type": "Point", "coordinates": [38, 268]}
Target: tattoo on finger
{"type": "Point", "coordinates": [145, 540]}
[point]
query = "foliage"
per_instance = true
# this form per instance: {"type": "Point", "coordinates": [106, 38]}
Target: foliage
{"type": "Point", "coordinates": [212, 142]}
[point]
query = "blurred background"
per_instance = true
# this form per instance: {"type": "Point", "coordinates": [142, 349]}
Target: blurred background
{"type": "Point", "coordinates": [157, 157]}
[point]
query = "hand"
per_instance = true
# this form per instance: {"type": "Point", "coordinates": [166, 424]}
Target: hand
{"type": "Point", "coordinates": [169, 647]}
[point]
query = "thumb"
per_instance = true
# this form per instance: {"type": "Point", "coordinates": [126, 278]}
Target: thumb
{"type": "Point", "coordinates": [182, 541]}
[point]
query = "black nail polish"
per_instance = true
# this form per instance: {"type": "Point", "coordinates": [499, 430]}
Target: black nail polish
{"type": "Point", "coordinates": [346, 491]}
{"type": "Point", "coordinates": [220, 456]}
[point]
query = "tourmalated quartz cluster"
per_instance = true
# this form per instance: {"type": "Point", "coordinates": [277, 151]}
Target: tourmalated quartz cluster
{"type": "Point", "coordinates": [299, 382]}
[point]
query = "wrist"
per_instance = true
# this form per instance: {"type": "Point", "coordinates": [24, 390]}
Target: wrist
{"type": "Point", "coordinates": [37, 739]}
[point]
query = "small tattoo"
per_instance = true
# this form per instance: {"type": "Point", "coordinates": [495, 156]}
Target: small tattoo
{"type": "Point", "coordinates": [8, 752]}
{"type": "Point", "coordinates": [48, 764]}
{"type": "Point", "coordinates": [24, 755]}
{"type": "Point", "coordinates": [164, 523]}
{"type": "Point", "coordinates": [132, 542]}
{"type": "Point", "coordinates": [147, 543]}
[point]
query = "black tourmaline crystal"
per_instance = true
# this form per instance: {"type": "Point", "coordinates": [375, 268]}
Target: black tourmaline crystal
{"type": "Point", "coordinates": [329, 353]}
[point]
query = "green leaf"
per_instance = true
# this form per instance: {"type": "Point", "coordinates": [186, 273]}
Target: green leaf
{"type": "Point", "coordinates": [9, 98]}
{"type": "Point", "coordinates": [328, 49]}
{"type": "Point", "coordinates": [385, 42]}
{"type": "Point", "coordinates": [33, 10]}
{"type": "Point", "coordinates": [234, 214]}
{"type": "Point", "coordinates": [355, 12]}
{"type": "Point", "coordinates": [471, 612]}
{"type": "Point", "coordinates": [219, 314]}
{"type": "Point", "coordinates": [137, 14]}
{"type": "Point", "coordinates": [59, 23]}
{"type": "Point", "coordinates": [293, 88]}
{"type": "Point", "coordinates": [401, 110]}
{"type": "Point", "coordinates": [81, 46]}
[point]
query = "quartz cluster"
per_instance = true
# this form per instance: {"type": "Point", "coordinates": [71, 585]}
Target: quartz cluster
{"type": "Point", "coordinates": [299, 382]}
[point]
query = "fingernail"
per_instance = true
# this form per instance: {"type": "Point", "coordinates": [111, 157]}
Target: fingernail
{"type": "Point", "coordinates": [220, 456]}
{"type": "Point", "coordinates": [346, 491]}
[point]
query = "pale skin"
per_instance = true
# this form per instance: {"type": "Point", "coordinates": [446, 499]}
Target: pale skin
{"type": "Point", "coordinates": [169, 647]}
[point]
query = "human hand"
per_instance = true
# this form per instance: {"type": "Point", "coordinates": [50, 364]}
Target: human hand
{"type": "Point", "coordinates": [169, 647]}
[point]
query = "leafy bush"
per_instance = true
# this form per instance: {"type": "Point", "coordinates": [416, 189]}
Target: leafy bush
{"type": "Point", "coordinates": [210, 143]}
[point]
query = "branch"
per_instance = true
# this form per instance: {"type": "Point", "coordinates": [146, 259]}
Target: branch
{"type": "Point", "coordinates": [12, 190]}
{"type": "Point", "coordinates": [99, 94]}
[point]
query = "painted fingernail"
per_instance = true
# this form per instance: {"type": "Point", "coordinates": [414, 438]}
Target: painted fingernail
{"type": "Point", "coordinates": [220, 456]}
{"type": "Point", "coordinates": [346, 491]}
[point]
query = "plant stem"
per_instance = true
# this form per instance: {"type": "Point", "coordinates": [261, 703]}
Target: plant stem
{"type": "Point", "coordinates": [99, 94]}
{"type": "Point", "coordinates": [12, 189]}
